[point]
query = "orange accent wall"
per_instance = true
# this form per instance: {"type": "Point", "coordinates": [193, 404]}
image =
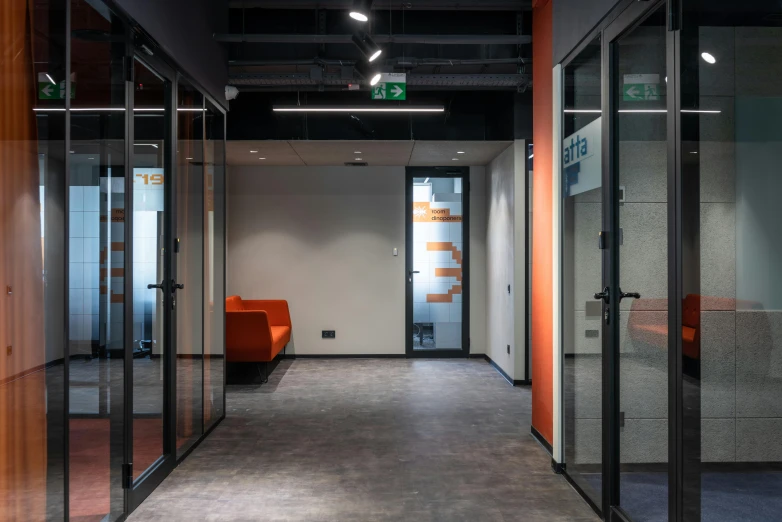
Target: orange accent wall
{"type": "Point", "coordinates": [542, 247]}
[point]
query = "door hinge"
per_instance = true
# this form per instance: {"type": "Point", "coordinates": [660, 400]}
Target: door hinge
{"type": "Point", "coordinates": [127, 475]}
{"type": "Point", "coordinates": [127, 69]}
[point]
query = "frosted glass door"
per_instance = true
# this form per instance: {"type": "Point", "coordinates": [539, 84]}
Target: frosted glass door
{"type": "Point", "coordinates": [437, 269]}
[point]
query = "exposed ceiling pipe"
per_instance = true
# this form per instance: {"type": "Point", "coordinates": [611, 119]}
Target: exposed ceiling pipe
{"type": "Point", "coordinates": [394, 62]}
{"type": "Point", "coordinates": [420, 5]}
{"type": "Point", "coordinates": [434, 39]}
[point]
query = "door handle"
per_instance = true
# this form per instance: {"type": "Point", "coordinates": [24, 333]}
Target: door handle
{"type": "Point", "coordinates": [604, 295]}
{"type": "Point", "coordinates": [176, 286]}
{"type": "Point", "coordinates": [634, 295]}
{"type": "Point", "coordinates": [414, 272]}
{"type": "Point", "coordinates": [159, 287]}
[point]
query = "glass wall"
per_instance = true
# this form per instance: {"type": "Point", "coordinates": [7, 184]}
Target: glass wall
{"type": "Point", "coordinates": [33, 205]}
{"type": "Point", "coordinates": [696, 249]}
{"type": "Point", "coordinates": [96, 262]}
{"type": "Point", "coordinates": [731, 90]}
{"type": "Point", "coordinates": [641, 203]}
{"type": "Point", "coordinates": [191, 216]}
{"type": "Point", "coordinates": [67, 143]}
{"type": "Point", "coordinates": [214, 263]}
{"type": "Point", "coordinates": [582, 270]}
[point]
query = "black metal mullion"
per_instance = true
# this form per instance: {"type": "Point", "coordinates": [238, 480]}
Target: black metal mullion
{"type": "Point", "coordinates": [66, 272]}
{"type": "Point", "coordinates": [675, 383]}
{"type": "Point", "coordinates": [610, 265]}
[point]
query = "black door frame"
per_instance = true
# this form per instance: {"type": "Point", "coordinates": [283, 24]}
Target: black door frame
{"type": "Point", "coordinates": [624, 18]}
{"type": "Point", "coordinates": [437, 172]}
{"type": "Point", "coordinates": [139, 489]}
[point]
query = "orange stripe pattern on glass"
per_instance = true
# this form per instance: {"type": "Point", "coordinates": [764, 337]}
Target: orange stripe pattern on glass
{"type": "Point", "coordinates": [445, 246]}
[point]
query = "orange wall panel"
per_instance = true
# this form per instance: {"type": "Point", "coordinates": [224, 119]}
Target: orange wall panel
{"type": "Point", "coordinates": [542, 196]}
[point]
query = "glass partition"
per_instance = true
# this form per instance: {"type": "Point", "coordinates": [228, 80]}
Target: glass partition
{"type": "Point", "coordinates": [33, 205]}
{"type": "Point", "coordinates": [189, 259]}
{"type": "Point", "coordinates": [582, 218]}
{"type": "Point", "coordinates": [731, 118]}
{"type": "Point", "coordinates": [214, 266]}
{"type": "Point", "coordinates": [96, 262]}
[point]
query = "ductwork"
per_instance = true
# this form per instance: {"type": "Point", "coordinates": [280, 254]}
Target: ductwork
{"type": "Point", "coordinates": [482, 81]}
{"type": "Point", "coordinates": [433, 39]}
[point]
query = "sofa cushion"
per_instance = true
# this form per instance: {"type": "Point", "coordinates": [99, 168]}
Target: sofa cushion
{"type": "Point", "coordinates": [281, 335]}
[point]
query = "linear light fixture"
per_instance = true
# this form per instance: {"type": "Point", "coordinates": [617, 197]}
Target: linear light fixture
{"type": "Point", "coordinates": [651, 111]}
{"type": "Point", "coordinates": [111, 109]}
{"type": "Point", "coordinates": [50, 79]}
{"type": "Point", "coordinates": [320, 108]}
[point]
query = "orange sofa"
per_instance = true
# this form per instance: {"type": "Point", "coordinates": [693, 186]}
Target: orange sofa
{"type": "Point", "coordinates": [256, 331]}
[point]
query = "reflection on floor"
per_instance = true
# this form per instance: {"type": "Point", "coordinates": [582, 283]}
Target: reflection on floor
{"type": "Point", "coordinates": [370, 440]}
{"type": "Point", "coordinates": [727, 497]}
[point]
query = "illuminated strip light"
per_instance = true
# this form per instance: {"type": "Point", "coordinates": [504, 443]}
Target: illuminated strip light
{"type": "Point", "coordinates": [311, 108]}
{"type": "Point", "coordinates": [653, 111]}
{"type": "Point", "coordinates": [660, 111]}
{"type": "Point", "coordinates": [110, 109]}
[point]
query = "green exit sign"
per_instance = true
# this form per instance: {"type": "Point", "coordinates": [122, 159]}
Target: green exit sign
{"type": "Point", "coordinates": [54, 91]}
{"type": "Point", "coordinates": [392, 86]}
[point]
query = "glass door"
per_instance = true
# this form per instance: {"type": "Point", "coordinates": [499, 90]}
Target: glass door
{"type": "Point", "coordinates": [437, 262]}
{"type": "Point", "coordinates": [582, 274]}
{"type": "Point", "coordinates": [149, 361]}
{"type": "Point", "coordinates": [639, 289]}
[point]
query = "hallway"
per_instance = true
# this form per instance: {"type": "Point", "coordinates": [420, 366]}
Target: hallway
{"type": "Point", "coordinates": [370, 440]}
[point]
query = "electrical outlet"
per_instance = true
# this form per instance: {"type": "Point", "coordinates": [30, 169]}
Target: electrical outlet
{"type": "Point", "coordinates": [329, 334]}
{"type": "Point", "coordinates": [508, 349]}
{"type": "Point", "coordinates": [9, 350]}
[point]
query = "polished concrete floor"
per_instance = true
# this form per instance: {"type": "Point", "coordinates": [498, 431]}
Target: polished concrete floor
{"type": "Point", "coordinates": [370, 440]}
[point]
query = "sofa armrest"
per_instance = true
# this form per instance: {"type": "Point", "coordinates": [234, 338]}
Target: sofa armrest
{"type": "Point", "coordinates": [279, 314]}
{"type": "Point", "coordinates": [248, 336]}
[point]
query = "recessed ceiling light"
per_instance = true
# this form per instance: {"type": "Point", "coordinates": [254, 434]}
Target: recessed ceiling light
{"type": "Point", "coordinates": [356, 152]}
{"type": "Point", "coordinates": [359, 159]}
{"type": "Point", "coordinates": [708, 57]}
{"type": "Point", "coordinates": [90, 158]}
{"type": "Point", "coordinates": [261, 158]}
{"type": "Point", "coordinates": [188, 158]}
{"type": "Point", "coordinates": [454, 159]}
{"type": "Point", "coordinates": [253, 152]}
{"type": "Point", "coordinates": [694, 152]}
{"type": "Point", "coordinates": [460, 152]}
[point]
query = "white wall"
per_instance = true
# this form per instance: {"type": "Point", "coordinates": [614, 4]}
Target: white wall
{"type": "Point", "coordinates": [505, 260]}
{"type": "Point", "coordinates": [478, 339]}
{"type": "Point", "coordinates": [323, 238]}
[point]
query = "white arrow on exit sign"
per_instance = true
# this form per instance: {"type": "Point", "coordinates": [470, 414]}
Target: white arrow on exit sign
{"type": "Point", "coordinates": [398, 91]}
{"type": "Point", "coordinates": [47, 90]}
